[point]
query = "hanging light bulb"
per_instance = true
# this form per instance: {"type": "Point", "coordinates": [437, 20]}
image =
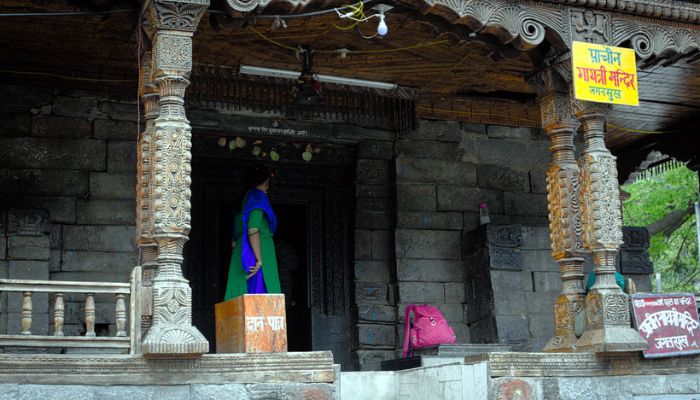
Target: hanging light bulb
{"type": "Point", "coordinates": [381, 9]}
{"type": "Point", "coordinates": [382, 28]}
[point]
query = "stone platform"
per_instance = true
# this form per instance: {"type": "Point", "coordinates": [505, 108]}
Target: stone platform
{"type": "Point", "coordinates": [516, 364]}
{"type": "Point", "coordinates": [288, 376]}
{"type": "Point", "coordinates": [534, 376]}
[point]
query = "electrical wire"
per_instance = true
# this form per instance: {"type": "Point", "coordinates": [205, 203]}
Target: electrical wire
{"type": "Point", "coordinates": [70, 14]}
{"type": "Point", "coordinates": [128, 10]}
{"type": "Point", "coordinates": [288, 16]}
{"type": "Point", "coordinates": [270, 40]}
{"type": "Point", "coordinates": [643, 132]}
{"type": "Point", "coordinates": [357, 16]}
{"type": "Point", "coordinates": [478, 114]}
{"type": "Point", "coordinates": [72, 78]}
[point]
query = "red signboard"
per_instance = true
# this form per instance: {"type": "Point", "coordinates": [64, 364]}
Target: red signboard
{"type": "Point", "coordinates": [669, 323]}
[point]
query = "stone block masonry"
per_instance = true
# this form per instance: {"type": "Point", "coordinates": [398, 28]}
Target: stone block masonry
{"type": "Point", "coordinates": [515, 283]}
{"type": "Point", "coordinates": [374, 270]}
{"type": "Point", "coordinates": [68, 156]}
{"type": "Point", "coordinates": [443, 172]}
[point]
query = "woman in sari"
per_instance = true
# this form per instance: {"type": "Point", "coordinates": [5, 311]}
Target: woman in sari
{"type": "Point", "coordinates": [253, 267]}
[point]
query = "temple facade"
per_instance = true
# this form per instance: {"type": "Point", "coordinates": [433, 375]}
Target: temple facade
{"type": "Point", "coordinates": [476, 183]}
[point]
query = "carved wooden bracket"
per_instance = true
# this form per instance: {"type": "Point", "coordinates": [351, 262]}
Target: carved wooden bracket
{"type": "Point", "coordinates": [526, 25]}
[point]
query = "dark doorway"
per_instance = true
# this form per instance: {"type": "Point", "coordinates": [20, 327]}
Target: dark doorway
{"type": "Point", "coordinates": [314, 204]}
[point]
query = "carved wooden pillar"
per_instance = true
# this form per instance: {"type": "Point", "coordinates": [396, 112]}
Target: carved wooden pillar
{"type": "Point", "coordinates": [607, 306]}
{"type": "Point", "coordinates": [148, 247]}
{"type": "Point", "coordinates": [172, 25]}
{"type": "Point", "coordinates": [552, 84]}
{"type": "Point", "coordinates": [564, 217]}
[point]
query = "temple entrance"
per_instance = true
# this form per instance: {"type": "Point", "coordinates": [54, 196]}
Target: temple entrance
{"type": "Point", "coordinates": [313, 203]}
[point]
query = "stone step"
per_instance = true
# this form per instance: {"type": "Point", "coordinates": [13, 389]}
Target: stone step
{"type": "Point", "coordinates": [442, 354]}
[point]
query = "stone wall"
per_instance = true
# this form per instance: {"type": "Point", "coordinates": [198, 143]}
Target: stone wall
{"type": "Point", "coordinates": [444, 170]}
{"type": "Point", "coordinates": [68, 156]}
{"type": "Point", "coordinates": [516, 281]}
{"type": "Point", "coordinates": [648, 387]}
{"type": "Point", "coordinates": [68, 159]}
{"type": "Point", "coordinates": [374, 271]}
{"type": "Point", "coordinates": [235, 391]}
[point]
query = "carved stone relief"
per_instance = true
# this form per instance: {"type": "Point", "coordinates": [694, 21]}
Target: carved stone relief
{"type": "Point", "coordinates": [504, 243]}
{"type": "Point", "coordinates": [27, 222]}
{"type": "Point", "coordinates": [634, 253]}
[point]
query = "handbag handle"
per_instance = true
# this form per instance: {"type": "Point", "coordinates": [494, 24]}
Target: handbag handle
{"type": "Point", "coordinates": [407, 326]}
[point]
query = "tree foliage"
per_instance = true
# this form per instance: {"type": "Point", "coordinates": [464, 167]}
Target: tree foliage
{"type": "Point", "coordinates": [664, 204]}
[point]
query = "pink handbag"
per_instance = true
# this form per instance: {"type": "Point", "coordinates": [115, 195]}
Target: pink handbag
{"type": "Point", "coordinates": [429, 328]}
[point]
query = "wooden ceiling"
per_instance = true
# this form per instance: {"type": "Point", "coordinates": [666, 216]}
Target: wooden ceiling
{"type": "Point", "coordinates": [460, 77]}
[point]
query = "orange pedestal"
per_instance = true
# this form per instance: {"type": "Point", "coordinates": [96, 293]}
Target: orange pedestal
{"type": "Point", "coordinates": [252, 323]}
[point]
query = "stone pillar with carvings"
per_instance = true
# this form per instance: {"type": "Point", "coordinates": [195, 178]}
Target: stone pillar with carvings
{"type": "Point", "coordinates": [564, 217]}
{"type": "Point", "coordinates": [148, 249]}
{"type": "Point", "coordinates": [170, 26]}
{"type": "Point", "coordinates": [607, 306]}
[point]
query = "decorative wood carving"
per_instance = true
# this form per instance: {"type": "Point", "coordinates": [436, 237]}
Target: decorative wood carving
{"type": "Point", "coordinates": [564, 212]}
{"type": "Point", "coordinates": [672, 11]}
{"type": "Point", "coordinates": [606, 304]}
{"type": "Point", "coordinates": [526, 25]}
{"type": "Point", "coordinates": [521, 26]}
{"type": "Point", "coordinates": [179, 16]}
{"type": "Point", "coordinates": [656, 44]}
{"type": "Point", "coordinates": [591, 26]}
{"type": "Point", "coordinates": [172, 331]}
{"type": "Point", "coordinates": [144, 196]}
{"type": "Point", "coordinates": [224, 87]}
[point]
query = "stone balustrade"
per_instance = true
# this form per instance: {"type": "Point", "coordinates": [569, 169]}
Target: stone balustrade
{"type": "Point", "coordinates": [128, 330]}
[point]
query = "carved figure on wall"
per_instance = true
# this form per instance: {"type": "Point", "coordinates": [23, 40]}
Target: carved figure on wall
{"type": "Point", "coordinates": [253, 268]}
{"type": "Point", "coordinates": [589, 26]}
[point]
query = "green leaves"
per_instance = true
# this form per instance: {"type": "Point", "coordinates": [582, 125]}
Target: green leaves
{"type": "Point", "coordinates": [664, 204]}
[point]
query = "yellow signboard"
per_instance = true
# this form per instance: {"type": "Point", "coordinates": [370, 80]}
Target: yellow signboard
{"type": "Point", "coordinates": [604, 74]}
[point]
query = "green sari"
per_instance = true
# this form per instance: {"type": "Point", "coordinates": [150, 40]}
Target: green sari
{"type": "Point", "coordinates": [236, 285]}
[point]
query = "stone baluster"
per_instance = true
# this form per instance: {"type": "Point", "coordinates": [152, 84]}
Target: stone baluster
{"type": "Point", "coordinates": [58, 315]}
{"type": "Point", "coordinates": [90, 315]}
{"type": "Point", "coordinates": [144, 198]}
{"type": "Point", "coordinates": [607, 306]}
{"type": "Point", "coordinates": [564, 217]}
{"type": "Point", "coordinates": [121, 315]}
{"type": "Point", "coordinates": [171, 28]}
{"type": "Point", "coordinates": [27, 313]}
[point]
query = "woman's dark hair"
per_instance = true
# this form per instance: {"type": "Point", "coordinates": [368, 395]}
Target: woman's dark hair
{"type": "Point", "coordinates": [257, 174]}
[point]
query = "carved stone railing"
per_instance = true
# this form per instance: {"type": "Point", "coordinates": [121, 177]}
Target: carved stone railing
{"type": "Point", "coordinates": [128, 330]}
